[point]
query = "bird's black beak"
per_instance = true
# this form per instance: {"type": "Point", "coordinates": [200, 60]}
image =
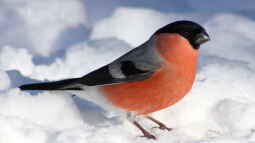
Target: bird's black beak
{"type": "Point", "coordinates": [201, 38]}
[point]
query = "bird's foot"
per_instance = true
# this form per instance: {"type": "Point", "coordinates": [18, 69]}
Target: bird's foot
{"type": "Point", "coordinates": [146, 134]}
{"type": "Point", "coordinates": [163, 127]}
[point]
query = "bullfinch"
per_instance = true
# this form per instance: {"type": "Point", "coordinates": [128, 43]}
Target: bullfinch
{"type": "Point", "coordinates": [151, 77]}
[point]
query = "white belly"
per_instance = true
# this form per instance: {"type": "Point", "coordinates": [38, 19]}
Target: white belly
{"type": "Point", "coordinates": [93, 94]}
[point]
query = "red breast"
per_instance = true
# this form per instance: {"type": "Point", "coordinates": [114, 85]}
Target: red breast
{"type": "Point", "coordinates": [167, 86]}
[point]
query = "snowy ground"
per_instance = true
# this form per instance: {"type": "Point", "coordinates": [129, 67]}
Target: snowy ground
{"type": "Point", "coordinates": [56, 39]}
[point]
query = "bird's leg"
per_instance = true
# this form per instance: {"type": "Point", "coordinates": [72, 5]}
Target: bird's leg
{"type": "Point", "coordinates": [145, 133]}
{"type": "Point", "coordinates": [133, 119]}
{"type": "Point", "coordinates": [161, 125]}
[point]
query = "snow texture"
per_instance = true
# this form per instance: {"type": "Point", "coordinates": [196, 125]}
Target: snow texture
{"type": "Point", "coordinates": [53, 39]}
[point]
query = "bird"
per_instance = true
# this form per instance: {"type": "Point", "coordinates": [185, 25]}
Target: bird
{"type": "Point", "coordinates": [153, 76]}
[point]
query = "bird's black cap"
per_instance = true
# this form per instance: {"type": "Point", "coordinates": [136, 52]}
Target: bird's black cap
{"type": "Point", "coordinates": [192, 31]}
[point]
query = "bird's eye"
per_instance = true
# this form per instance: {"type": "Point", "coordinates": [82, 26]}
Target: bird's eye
{"type": "Point", "coordinates": [186, 33]}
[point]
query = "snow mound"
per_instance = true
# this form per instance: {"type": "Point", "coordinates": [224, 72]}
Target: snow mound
{"type": "Point", "coordinates": [43, 22]}
{"type": "Point", "coordinates": [125, 23]}
{"type": "Point", "coordinates": [18, 59]}
{"type": "Point", "coordinates": [4, 80]}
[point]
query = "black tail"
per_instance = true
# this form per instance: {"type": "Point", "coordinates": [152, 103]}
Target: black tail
{"type": "Point", "coordinates": [67, 84]}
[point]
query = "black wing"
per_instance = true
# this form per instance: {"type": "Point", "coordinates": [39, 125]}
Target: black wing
{"type": "Point", "coordinates": [67, 84]}
{"type": "Point", "coordinates": [104, 75]}
{"type": "Point", "coordinates": [138, 64]}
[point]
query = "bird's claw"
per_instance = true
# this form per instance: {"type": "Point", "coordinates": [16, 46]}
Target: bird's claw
{"type": "Point", "coordinates": [164, 128]}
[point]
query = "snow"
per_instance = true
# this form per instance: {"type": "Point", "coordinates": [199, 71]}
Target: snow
{"type": "Point", "coordinates": [43, 22]}
{"type": "Point", "coordinates": [136, 19]}
{"type": "Point", "coordinates": [4, 80]}
{"type": "Point", "coordinates": [52, 40]}
{"type": "Point", "coordinates": [19, 59]}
